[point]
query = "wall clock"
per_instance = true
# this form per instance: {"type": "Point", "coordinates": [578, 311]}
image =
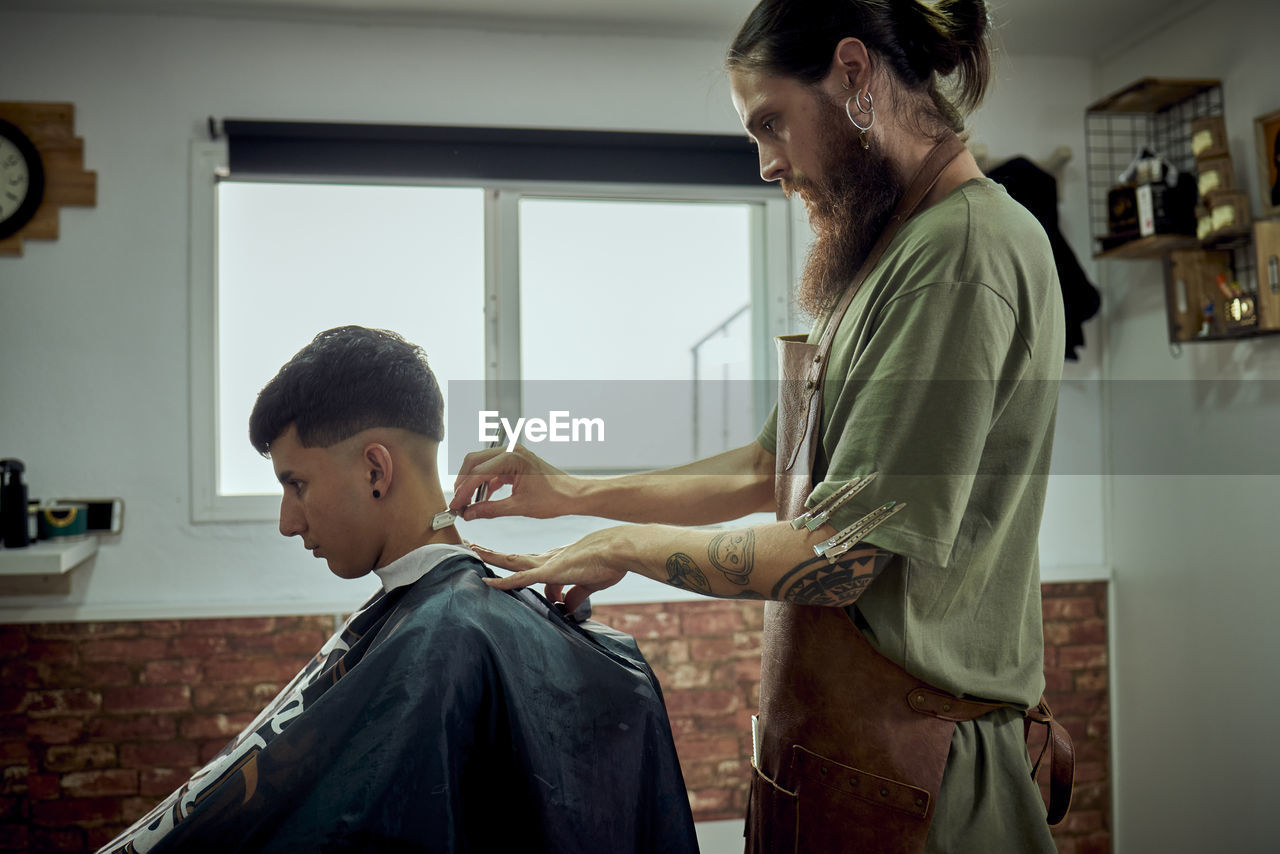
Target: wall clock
{"type": "Point", "coordinates": [41, 171]}
{"type": "Point", "coordinates": [21, 179]}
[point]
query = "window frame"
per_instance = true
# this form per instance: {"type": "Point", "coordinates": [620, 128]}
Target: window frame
{"type": "Point", "coordinates": [772, 223]}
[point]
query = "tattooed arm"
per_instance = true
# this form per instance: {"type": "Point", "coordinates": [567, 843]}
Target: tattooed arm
{"type": "Point", "coordinates": [761, 562]}
{"type": "Point", "coordinates": [707, 492]}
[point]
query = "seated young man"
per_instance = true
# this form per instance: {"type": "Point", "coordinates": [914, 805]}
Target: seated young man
{"type": "Point", "coordinates": [445, 715]}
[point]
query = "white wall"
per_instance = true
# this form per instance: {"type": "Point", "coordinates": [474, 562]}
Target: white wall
{"type": "Point", "coordinates": [1196, 581]}
{"type": "Point", "coordinates": [94, 326]}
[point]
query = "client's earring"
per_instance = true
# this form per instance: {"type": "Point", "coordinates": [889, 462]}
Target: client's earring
{"type": "Point", "coordinates": [377, 493]}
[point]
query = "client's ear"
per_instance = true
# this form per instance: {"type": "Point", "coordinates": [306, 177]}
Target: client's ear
{"type": "Point", "coordinates": [377, 460]}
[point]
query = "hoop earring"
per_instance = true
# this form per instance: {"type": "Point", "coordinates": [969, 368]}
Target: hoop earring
{"type": "Point", "coordinates": [844, 84]}
{"type": "Point", "coordinates": [869, 110]}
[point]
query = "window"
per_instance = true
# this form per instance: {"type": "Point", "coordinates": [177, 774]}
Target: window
{"type": "Point", "coordinates": [295, 259]}
{"type": "Point", "coordinates": [617, 303]}
{"type": "Point", "coordinates": [627, 302]}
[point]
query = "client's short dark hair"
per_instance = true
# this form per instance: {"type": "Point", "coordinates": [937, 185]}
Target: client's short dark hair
{"type": "Point", "coordinates": [347, 380]}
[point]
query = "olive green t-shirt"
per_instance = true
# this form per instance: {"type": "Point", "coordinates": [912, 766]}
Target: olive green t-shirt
{"type": "Point", "coordinates": [943, 378]}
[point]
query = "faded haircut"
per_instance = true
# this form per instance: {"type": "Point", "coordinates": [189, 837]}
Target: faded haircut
{"type": "Point", "coordinates": [347, 380]}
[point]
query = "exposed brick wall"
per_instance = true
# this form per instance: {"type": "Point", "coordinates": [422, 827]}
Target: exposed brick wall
{"type": "Point", "coordinates": [101, 720]}
{"type": "Point", "coordinates": [707, 657]}
{"type": "Point", "coordinates": [1076, 662]}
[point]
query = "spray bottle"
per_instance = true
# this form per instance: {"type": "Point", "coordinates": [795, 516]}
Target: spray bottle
{"type": "Point", "coordinates": [13, 505]}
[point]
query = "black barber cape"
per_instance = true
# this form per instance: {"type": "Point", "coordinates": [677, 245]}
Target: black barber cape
{"type": "Point", "coordinates": [445, 716]}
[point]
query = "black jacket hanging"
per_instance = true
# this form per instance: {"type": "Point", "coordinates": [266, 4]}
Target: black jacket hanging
{"type": "Point", "coordinates": [1037, 191]}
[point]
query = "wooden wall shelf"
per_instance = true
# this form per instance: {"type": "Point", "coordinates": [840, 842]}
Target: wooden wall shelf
{"type": "Point", "coordinates": [1155, 246]}
{"type": "Point", "coordinates": [1234, 336]}
{"type": "Point", "coordinates": [1158, 245]}
{"type": "Point", "coordinates": [1152, 95]}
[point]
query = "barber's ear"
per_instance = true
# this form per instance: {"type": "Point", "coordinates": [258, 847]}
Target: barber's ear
{"type": "Point", "coordinates": [378, 463]}
{"type": "Point", "coordinates": [851, 64]}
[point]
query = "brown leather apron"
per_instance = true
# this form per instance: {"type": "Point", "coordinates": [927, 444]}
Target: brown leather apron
{"type": "Point", "coordinates": [851, 747]}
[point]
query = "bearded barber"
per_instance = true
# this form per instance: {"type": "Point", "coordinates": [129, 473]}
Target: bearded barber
{"type": "Point", "coordinates": [906, 459]}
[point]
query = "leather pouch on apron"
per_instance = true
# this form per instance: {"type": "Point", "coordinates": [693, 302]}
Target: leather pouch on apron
{"type": "Point", "coordinates": [846, 763]}
{"type": "Point", "coordinates": [772, 816]}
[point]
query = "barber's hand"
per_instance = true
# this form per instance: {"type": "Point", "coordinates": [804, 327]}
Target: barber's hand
{"type": "Point", "coordinates": [538, 489]}
{"type": "Point", "coordinates": [584, 564]}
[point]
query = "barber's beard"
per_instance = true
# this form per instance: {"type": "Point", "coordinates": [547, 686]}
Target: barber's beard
{"type": "Point", "coordinates": [848, 209]}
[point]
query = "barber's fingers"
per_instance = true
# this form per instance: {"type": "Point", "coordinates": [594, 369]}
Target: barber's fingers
{"type": "Point", "coordinates": [504, 560]}
{"type": "Point", "coordinates": [479, 467]}
{"type": "Point", "coordinates": [575, 597]}
{"type": "Point", "coordinates": [492, 508]}
{"type": "Point", "coordinates": [530, 577]}
{"type": "Point", "coordinates": [556, 569]}
{"type": "Point", "coordinates": [530, 478]}
{"type": "Point", "coordinates": [476, 458]}
{"type": "Point", "coordinates": [516, 581]}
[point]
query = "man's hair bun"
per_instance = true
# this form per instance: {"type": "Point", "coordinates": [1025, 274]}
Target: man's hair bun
{"type": "Point", "coordinates": [945, 38]}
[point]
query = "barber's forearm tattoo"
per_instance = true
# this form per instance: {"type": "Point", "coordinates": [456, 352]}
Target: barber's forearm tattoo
{"type": "Point", "coordinates": [818, 582]}
{"type": "Point", "coordinates": [734, 554]}
{"type": "Point", "coordinates": [684, 573]}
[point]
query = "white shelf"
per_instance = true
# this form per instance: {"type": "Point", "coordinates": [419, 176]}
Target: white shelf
{"type": "Point", "coordinates": [42, 567]}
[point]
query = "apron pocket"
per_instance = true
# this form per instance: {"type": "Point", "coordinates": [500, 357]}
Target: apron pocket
{"type": "Point", "coordinates": [771, 817]}
{"type": "Point", "coordinates": [843, 808]}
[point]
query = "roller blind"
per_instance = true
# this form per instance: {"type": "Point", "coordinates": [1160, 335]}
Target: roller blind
{"type": "Point", "coordinates": [288, 148]}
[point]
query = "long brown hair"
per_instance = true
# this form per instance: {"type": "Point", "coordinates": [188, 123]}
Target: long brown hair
{"type": "Point", "coordinates": [939, 48]}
